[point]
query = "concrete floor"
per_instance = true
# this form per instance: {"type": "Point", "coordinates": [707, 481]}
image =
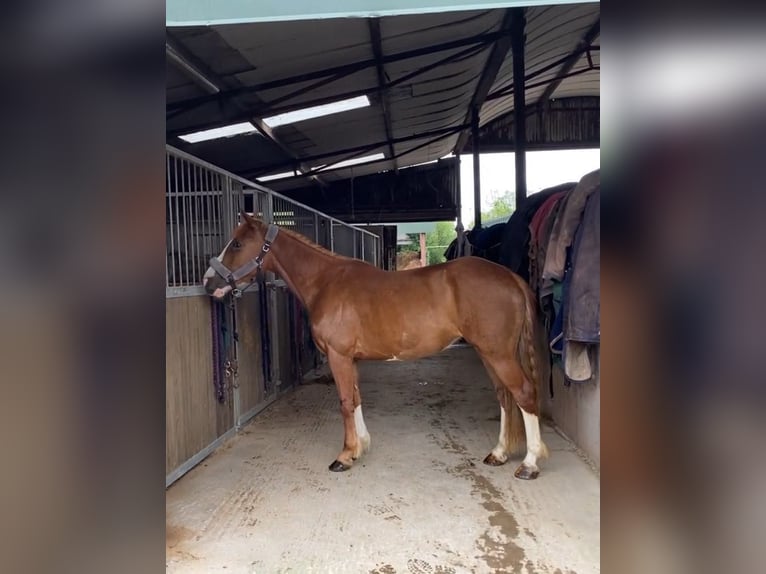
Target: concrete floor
{"type": "Point", "coordinates": [420, 501]}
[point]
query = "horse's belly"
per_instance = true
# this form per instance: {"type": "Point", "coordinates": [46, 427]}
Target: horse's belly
{"type": "Point", "coordinates": [408, 344]}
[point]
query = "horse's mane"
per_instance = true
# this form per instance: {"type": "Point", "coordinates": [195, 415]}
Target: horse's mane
{"type": "Point", "coordinates": [306, 241]}
{"type": "Point", "coordinates": [302, 238]}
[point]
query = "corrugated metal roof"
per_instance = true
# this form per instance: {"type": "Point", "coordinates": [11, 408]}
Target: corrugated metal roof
{"type": "Point", "coordinates": [422, 107]}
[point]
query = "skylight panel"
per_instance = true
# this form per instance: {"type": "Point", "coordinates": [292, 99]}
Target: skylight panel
{"type": "Point", "coordinates": [354, 161]}
{"type": "Point", "coordinates": [222, 132]}
{"type": "Point", "coordinates": [317, 111]}
{"type": "Point", "coordinates": [276, 176]}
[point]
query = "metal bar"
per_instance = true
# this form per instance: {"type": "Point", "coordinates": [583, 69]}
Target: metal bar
{"type": "Point", "coordinates": [352, 68]}
{"type": "Point", "coordinates": [459, 202]}
{"type": "Point", "coordinates": [211, 216]}
{"type": "Point", "coordinates": [184, 291]}
{"type": "Point", "coordinates": [519, 103]}
{"type": "Point", "coordinates": [377, 50]}
{"type": "Point", "coordinates": [190, 69]}
{"type": "Point", "coordinates": [476, 170]}
{"type": "Point", "coordinates": [184, 211]}
{"type": "Point", "coordinates": [489, 73]}
{"type": "Point", "coordinates": [255, 410]}
{"type": "Point", "coordinates": [248, 183]}
{"type": "Point", "coordinates": [586, 41]}
{"type": "Point", "coordinates": [169, 227]}
{"type": "Point", "coordinates": [230, 217]}
{"type": "Point", "coordinates": [177, 204]}
{"type": "Point", "coordinates": [218, 213]}
{"type": "Point", "coordinates": [195, 229]}
{"type": "Point", "coordinates": [197, 458]}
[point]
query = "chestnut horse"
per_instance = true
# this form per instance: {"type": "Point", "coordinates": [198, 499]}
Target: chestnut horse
{"type": "Point", "coordinates": [358, 311]}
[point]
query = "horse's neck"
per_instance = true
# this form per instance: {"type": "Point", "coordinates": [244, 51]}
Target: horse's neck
{"type": "Point", "coordinates": [300, 265]}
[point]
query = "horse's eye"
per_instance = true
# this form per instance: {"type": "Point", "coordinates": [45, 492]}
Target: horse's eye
{"type": "Point", "coordinates": [236, 244]}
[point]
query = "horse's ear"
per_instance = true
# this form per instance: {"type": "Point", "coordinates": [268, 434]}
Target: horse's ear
{"type": "Point", "coordinates": [246, 217]}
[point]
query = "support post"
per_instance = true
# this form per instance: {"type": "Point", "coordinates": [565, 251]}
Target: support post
{"type": "Point", "coordinates": [519, 104]}
{"type": "Point", "coordinates": [459, 229]}
{"type": "Point", "coordinates": [423, 251]}
{"type": "Point", "coordinates": [476, 168]}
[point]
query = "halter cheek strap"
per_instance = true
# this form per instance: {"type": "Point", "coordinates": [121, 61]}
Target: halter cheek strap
{"type": "Point", "coordinates": [233, 277]}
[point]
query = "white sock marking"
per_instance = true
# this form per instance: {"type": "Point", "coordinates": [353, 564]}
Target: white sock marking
{"type": "Point", "coordinates": [361, 428]}
{"type": "Point", "coordinates": [500, 452]}
{"type": "Point", "coordinates": [534, 442]}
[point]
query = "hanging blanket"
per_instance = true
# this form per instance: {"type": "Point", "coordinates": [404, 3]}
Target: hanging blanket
{"type": "Point", "coordinates": [583, 317]}
{"type": "Point", "coordinates": [565, 227]}
{"type": "Point", "coordinates": [514, 252]}
{"type": "Point", "coordinates": [539, 232]}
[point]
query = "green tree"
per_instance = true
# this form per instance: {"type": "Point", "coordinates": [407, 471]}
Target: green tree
{"type": "Point", "coordinates": [503, 206]}
{"type": "Point", "coordinates": [437, 242]}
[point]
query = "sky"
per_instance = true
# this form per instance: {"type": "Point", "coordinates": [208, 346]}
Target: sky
{"type": "Point", "coordinates": [544, 169]}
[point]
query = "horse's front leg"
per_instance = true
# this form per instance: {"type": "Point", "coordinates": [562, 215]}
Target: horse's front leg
{"type": "Point", "coordinates": [346, 376]}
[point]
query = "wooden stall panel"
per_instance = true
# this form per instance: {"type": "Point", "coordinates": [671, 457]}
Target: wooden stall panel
{"type": "Point", "coordinates": [249, 355]}
{"type": "Point", "coordinates": [194, 418]}
{"type": "Point", "coordinates": [287, 351]}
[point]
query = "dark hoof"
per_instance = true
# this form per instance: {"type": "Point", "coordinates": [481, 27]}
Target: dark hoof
{"type": "Point", "coordinates": [491, 460]}
{"type": "Point", "coordinates": [526, 473]}
{"type": "Point", "coordinates": [338, 466]}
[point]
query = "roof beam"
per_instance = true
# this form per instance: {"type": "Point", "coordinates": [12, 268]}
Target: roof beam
{"type": "Point", "coordinates": [377, 50]}
{"type": "Point", "coordinates": [450, 133]}
{"type": "Point", "coordinates": [358, 150]}
{"type": "Point", "coordinates": [340, 71]}
{"type": "Point", "coordinates": [488, 75]}
{"type": "Point", "coordinates": [208, 80]}
{"type": "Point", "coordinates": [266, 110]}
{"type": "Point", "coordinates": [571, 60]}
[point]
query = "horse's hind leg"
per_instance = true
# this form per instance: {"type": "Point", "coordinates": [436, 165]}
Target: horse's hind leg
{"type": "Point", "coordinates": [346, 377]}
{"type": "Point", "coordinates": [361, 428]}
{"type": "Point", "coordinates": [509, 371]}
{"type": "Point", "coordinates": [511, 431]}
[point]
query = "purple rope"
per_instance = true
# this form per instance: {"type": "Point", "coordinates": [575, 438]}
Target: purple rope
{"type": "Point", "coordinates": [218, 383]}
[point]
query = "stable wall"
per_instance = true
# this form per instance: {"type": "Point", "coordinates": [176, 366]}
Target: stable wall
{"type": "Point", "coordinates": [194, 419]}
{"type": "Point", "coordinates": [576, 411]}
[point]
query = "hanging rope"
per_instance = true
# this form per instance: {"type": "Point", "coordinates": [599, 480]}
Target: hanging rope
{"type": "Point", "coordinates": [265, 336]}
{"type": "Point", "coordinates": [224, 337]}
{"type": "Point", "coordinates": [218, 320]}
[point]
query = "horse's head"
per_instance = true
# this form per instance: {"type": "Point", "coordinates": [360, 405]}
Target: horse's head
{"type": "Point", "coordinates": [237, 265]}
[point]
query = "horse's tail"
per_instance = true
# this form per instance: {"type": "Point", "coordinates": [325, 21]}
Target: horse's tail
{"type": "Point", "coordinates": [526, 348]}
{"type": "Point", "coordinates": [528, 358]}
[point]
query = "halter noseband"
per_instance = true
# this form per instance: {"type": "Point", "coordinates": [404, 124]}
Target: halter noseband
{"type": "Point", "coordinates": [233, 277]}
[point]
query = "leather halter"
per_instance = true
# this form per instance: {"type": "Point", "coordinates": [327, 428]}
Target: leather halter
{"type": "Point", "coordinates": [233, 277]}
